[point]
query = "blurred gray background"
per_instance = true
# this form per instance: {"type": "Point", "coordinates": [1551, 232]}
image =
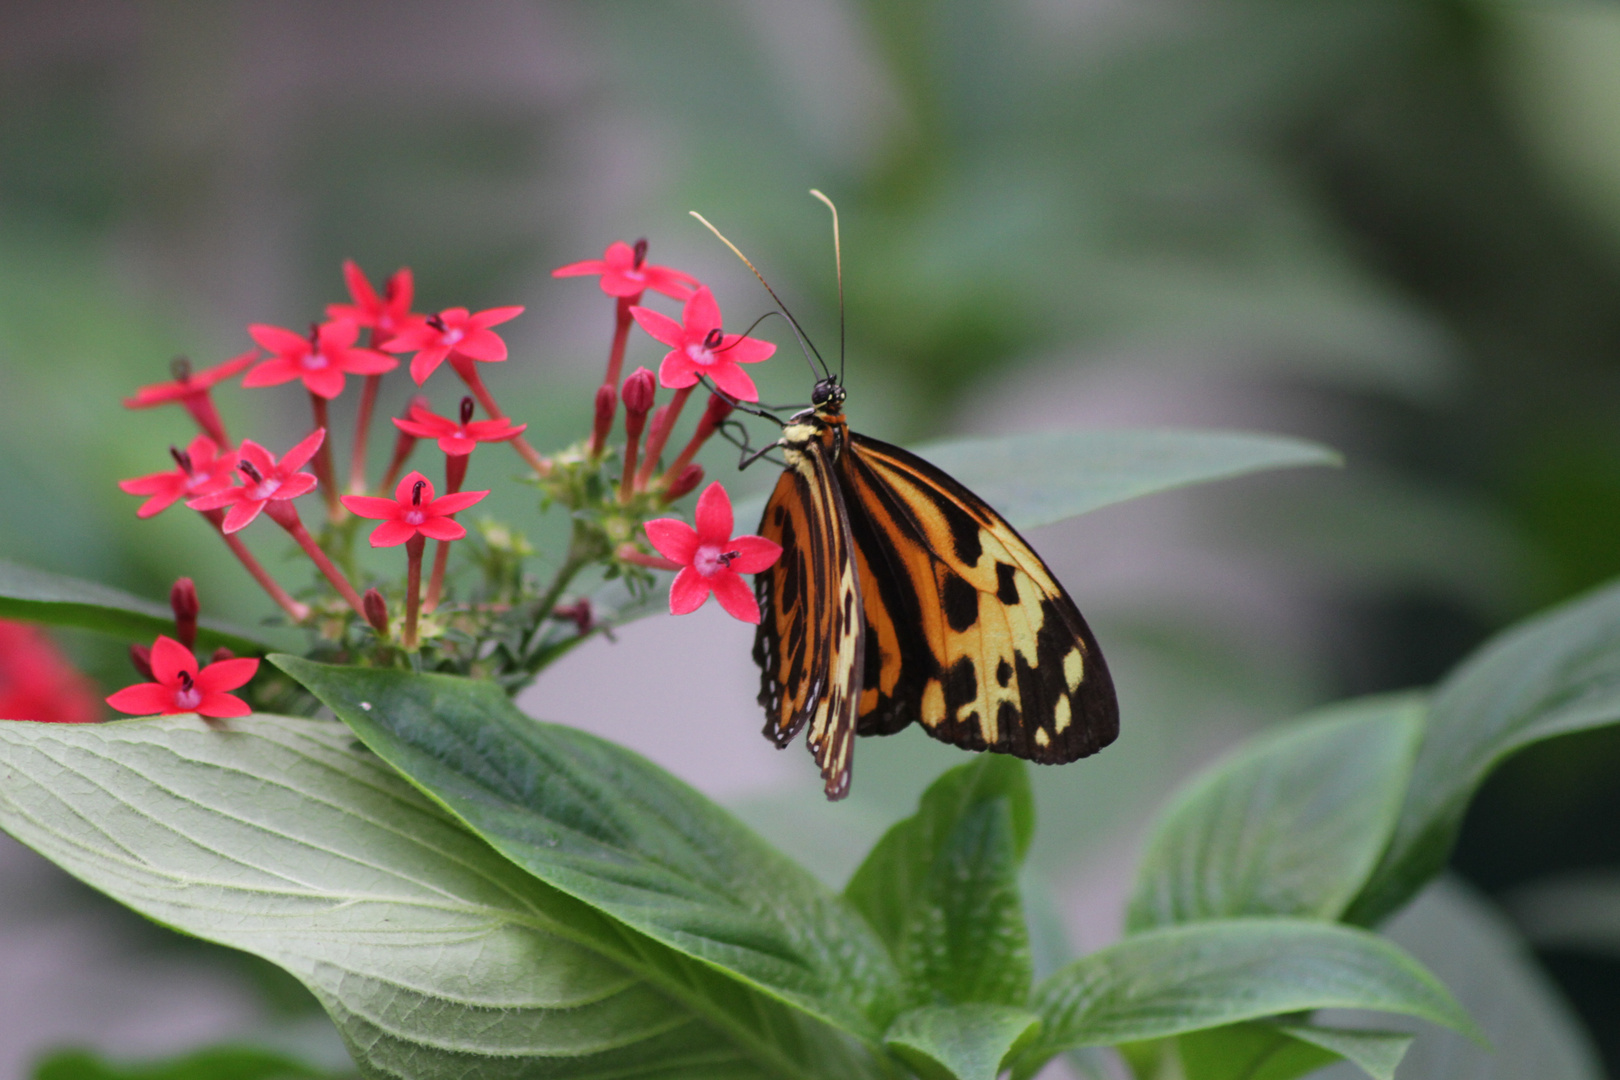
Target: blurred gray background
{"type": "Point", "coordinates": [1390, 225]}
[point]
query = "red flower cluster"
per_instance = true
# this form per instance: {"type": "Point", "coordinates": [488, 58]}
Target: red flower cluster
{"type": "Point", "coordinates": [37, 682]}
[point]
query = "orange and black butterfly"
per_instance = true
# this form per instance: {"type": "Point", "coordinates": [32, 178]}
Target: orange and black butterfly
{"type": "Point", "coordinates": [902, 597]}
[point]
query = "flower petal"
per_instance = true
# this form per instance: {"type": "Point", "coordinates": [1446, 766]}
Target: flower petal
{"type": "Point", "coordinates": [278, 340]}
{"type": "Point", "coordinates": [360, 289]}
{"type": "Point", "coordinates": [662, 328]}
{"type": "Point", "coordinates": [391, 533]}
{"type": "Point", "coordinates": [580, 269]}
{"type": "Point", "coordinates": [324, 382]}
{"type": "Point", "coordinates": [754, 553]}
{"type": "Point", "coordinates": [482, 345]}
{"type": "Point", "coordinates": [426, 362]}
{"type": "Point", "coordinates": [367, 362]}
{"type": "Point", "coordinates": [169, 659]}
{"type": "Point", "coordinates": [370, 506]}
{"type": "Point", "coordinates": [299, 455]}
{"type": "Point", "coordinates": [714, 518]}
{"type": "Point", "coordinates": [734, 380]}
{"type": "Point", "coordinates": [215, 500]}
{"type": "Point", "coordinates": [701, 313]}
{"type": "Point", "coordinates": [495, 316]}
{"type": "Point", "coordinates": [455, 503]}
{"type": "Point", "coordinates": [241, 515]}
{"type": "Point", "coordinates": [226, 674]}
{"type": "Point", "coordinates": [745, 350]}
{"type": "Point", "coordinates": [222, 705]}
{"type": "Point", "coordinates": [735, 596]}
{"type": "Point", "coordinates": [273, 372]}
{"type": "Point", "coordinates": [688, 592]}
{"type": "Point", "coordinates": [143, 699]}
{"type": "Point", "coordinates": [295, 485]}
{"type": "Point", "coordinates": [457, 445]}
{"type": "Point", "coordinates": [677, 371]}
{"type": "Point", "coordinates": [441, 528]}
{"type": "Point", "coordinates": [406, 488]}
{"type": "Point", "coordinates": [672, 539]}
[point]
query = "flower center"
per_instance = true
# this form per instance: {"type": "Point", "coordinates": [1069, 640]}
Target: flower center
{"type": "Point", "coordinates": [700, 354]}
{"type": "Point", "coordinates": [188, 697]}
{"type": "Point", "coordinates": [265, 489]}
{"type": "Point", "coordinates": [414, 517]}
{"type": "Point", "coordinates": [454, 335]}
{"type": "Point", "coordinates": [709, 560]}
{"type": "Point", "coordinates": [315, 360]}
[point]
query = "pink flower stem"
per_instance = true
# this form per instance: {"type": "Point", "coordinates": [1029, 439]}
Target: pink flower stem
{"type": "Point", "coordinates": [621, 334]}
{"type": "Point", "coordinates": [413, 588]}
{"type": "Point", "coordinates": [201, 408]}
{"type": "Point", "coordinates": [283, 513]}
{"type": "Point", "coordinates": [475, 382]}
{"type": "Point", "coordinates": [323, 464]}
{"type": "Point", "coordinates": [455, 471]}
{"type": "Point", "coordinates": [362, 433]}
{"type": "Point", "coordinates": [633, 424]}
{"type": "Point", "coordinates": [296, 611]}
{"type": "Point", "coordinates": [660, 435]}
{"type": "Point", "coordinates": [628, 553]}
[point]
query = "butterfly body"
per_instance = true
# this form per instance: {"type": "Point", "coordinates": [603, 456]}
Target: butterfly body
{"type": "Point", "coordinates": [902, 597]}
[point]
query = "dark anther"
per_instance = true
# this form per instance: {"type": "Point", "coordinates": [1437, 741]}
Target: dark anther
{"type": "Point", "coordinates": [725, 558]}
{"type": "Point", "coordinates": [416, 492]}
{"type": "Point", "coordinates": [180, 368]}
{"type": "Point", "coordinates": [641, 252]}
{"type": "Point", "coordinates": [713, 339]}
{"type": "Point", "coordinates": [185, 681]}
{"type": "Point", "coordinates": [437, 322]}
{"type": "Point", "coordinates": [182, 459]}
{"type": "Point", "coordinates": [314, 336]}
{"type": "Point", "coordinates": [466, 410]}
{"type": "Point", "coordinates": [251, 473]}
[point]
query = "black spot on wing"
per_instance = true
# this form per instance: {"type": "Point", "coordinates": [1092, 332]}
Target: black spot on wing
{"type": "Point", "coordinates": [961, 686]}
{"type": "Point", "coordinates": [961, 602]}
{"type": "Point", "coordinates": [1006, 583]}
{"type": "Point", "coordinates": [1004, 672]}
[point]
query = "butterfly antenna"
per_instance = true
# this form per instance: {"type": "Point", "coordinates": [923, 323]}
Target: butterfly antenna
{"type": "Point", "coordinates": [838, 260]}
{"type": "Point", "coordinates": [804, 342]}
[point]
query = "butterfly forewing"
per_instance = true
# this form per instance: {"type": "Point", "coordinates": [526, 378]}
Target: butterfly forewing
{"type": "Point", "coordinates": [968, 631]}
{"type": "Point", "coordinates": [811, 636]}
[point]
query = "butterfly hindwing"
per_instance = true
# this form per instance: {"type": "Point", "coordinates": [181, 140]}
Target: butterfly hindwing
{"type": "Point", "coordinates": [968, 632]}
{"type": "Point", "coordinates": [811, 637]}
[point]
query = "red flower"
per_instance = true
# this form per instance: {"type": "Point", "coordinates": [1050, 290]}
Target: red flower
{"type": "Point", "coordinates": [321, 359]}
{"type": "Point", "coordinates": [38, 683]}
{"type": "Point", "coordinates": [457, 440]}
{"type": "Point", "coordinates": [181, 688]}
{"type": "Point", "coordinates": [267, 479]}
{"type": "Point", "coordinates": [699, 347]}
{"type": "Point", "coordinates": [626, 272]}
{"type": "Point", "coordinates": [711, 559]}
{"type": "Point", "coordinates": [453, 332]}
{"type": "Point", "coordinates": [201, 469]}
{"type": "Point", "coordinates": [413, 510]}
{"type": "Point", "coordinates": [187, 383]}
{"type": "Point", "coordinates": [387, 314]}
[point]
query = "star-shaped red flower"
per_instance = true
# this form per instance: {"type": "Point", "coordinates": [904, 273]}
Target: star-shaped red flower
{"type": "Point", "coordinates": [180, 688]}
{"type": "Point", "coordinates": [321, 358]}
{"type": "Point", "coordinates": [200, 469]}
{"type": "Point", "coordinates": [712, 560]}
{"type": "Point", "coordinates": [387, 314]}
{"type": "Point", "coordinates": [699, 347]}
{"type": "Point", "coordinates": [266, 478]}
{"type": "Point", "coordinates": [413, 510]}
{"type": "Point", "coordinates": [626, 272]}
{"type": "Point", "coordinates": [187, 383]}
{"type": "Point", "coordinates": [457, 440]}
{"type": "Point", "coordinates": [454, 332]}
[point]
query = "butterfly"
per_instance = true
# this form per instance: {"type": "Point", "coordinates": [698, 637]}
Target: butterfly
{"type": "Point", "coordinates": [902, 597]}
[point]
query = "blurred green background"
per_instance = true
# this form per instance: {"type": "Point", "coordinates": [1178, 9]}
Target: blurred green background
{"type": "Point", "coordinates": [1391, 225]}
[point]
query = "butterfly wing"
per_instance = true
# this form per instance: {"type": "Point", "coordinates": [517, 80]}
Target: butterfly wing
{"type": "Point", "coordinates": [811, 637]}
{"type": "Point", "coordinates": [969, 632]}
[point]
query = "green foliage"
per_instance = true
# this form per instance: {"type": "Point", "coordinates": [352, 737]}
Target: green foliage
{"type": "Point", "coordinates": [214, 1063]}
{"type": "Point", "coordinates": [967, 1042]}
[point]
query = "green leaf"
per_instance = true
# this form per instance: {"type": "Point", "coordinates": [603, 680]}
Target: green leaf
{"type": "Point", "coordinates": [435, 956]}
{"type": "Point", "coordinates": [1262, 1050]}
{"type": "Point", "coordinates": [1555, 674]}
{"type": "Point", "coordinates": [1292, 824]}
{"type": "Point", "coordinates": [603, 824]}
{"type": "Point", "coordinates": [36, 596]}
{"type": "Point", "coordinates": [941, 887]}
{"type": "Point", "coordinates": [214, 1063]}
{"type": "Point", "coordinates": [1180, 979]}
{"type": "Point", "coordinates": [965, 1042]}
{"type": "Point", "coordinates": [1378, 1053]}
{"type": "Point", "coordinates": [1044, 477]}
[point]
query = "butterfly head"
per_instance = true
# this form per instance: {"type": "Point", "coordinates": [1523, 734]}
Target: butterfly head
{"type": "Point", "coordinates": [828, 396]}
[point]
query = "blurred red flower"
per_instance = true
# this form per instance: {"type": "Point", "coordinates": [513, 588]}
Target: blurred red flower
{"type": "Point", "coordinates": [38, 683]}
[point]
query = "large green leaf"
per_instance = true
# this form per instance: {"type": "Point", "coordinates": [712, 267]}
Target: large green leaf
{"type": "Point", "coordinates": [214, 1063]}
{"type": "Point", "coordinates": [1557, 673]}
{"type": "Point", "coordinates": [1291, 824]}
{"type": "Point", "coordinates": [1262, 1050]}
{"type": "Point", "coordinates": [941, 887]}
{"type": "Point", "coordinates": [964, 1042]}
{"type": "Point", "coordinates": [603, 824]}
{"type": "Point", "coordinates": [1181, 979]}
{"type": "Point", "coordinates": [36, 596]}
{"type": "Point", "coordinates": [435, 956]}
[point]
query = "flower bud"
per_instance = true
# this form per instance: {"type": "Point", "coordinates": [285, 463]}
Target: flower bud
{"type": "Point", "coordinates": [183, 599]}
{"type": "Point", "coordinates": [221, 653]}
{"type": "Point", "coordinates": [376, 611]}
{"type": "Point", "coordinates": [713, 416]}
{"type": "Point", "coordinates": [607, 403]}
{"type": "Point", "coordinates": [141, 657]}
{"type": "Point", "coordinates": [684, 482]}
{"type": "Point", "coordinates": [639, 390]}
